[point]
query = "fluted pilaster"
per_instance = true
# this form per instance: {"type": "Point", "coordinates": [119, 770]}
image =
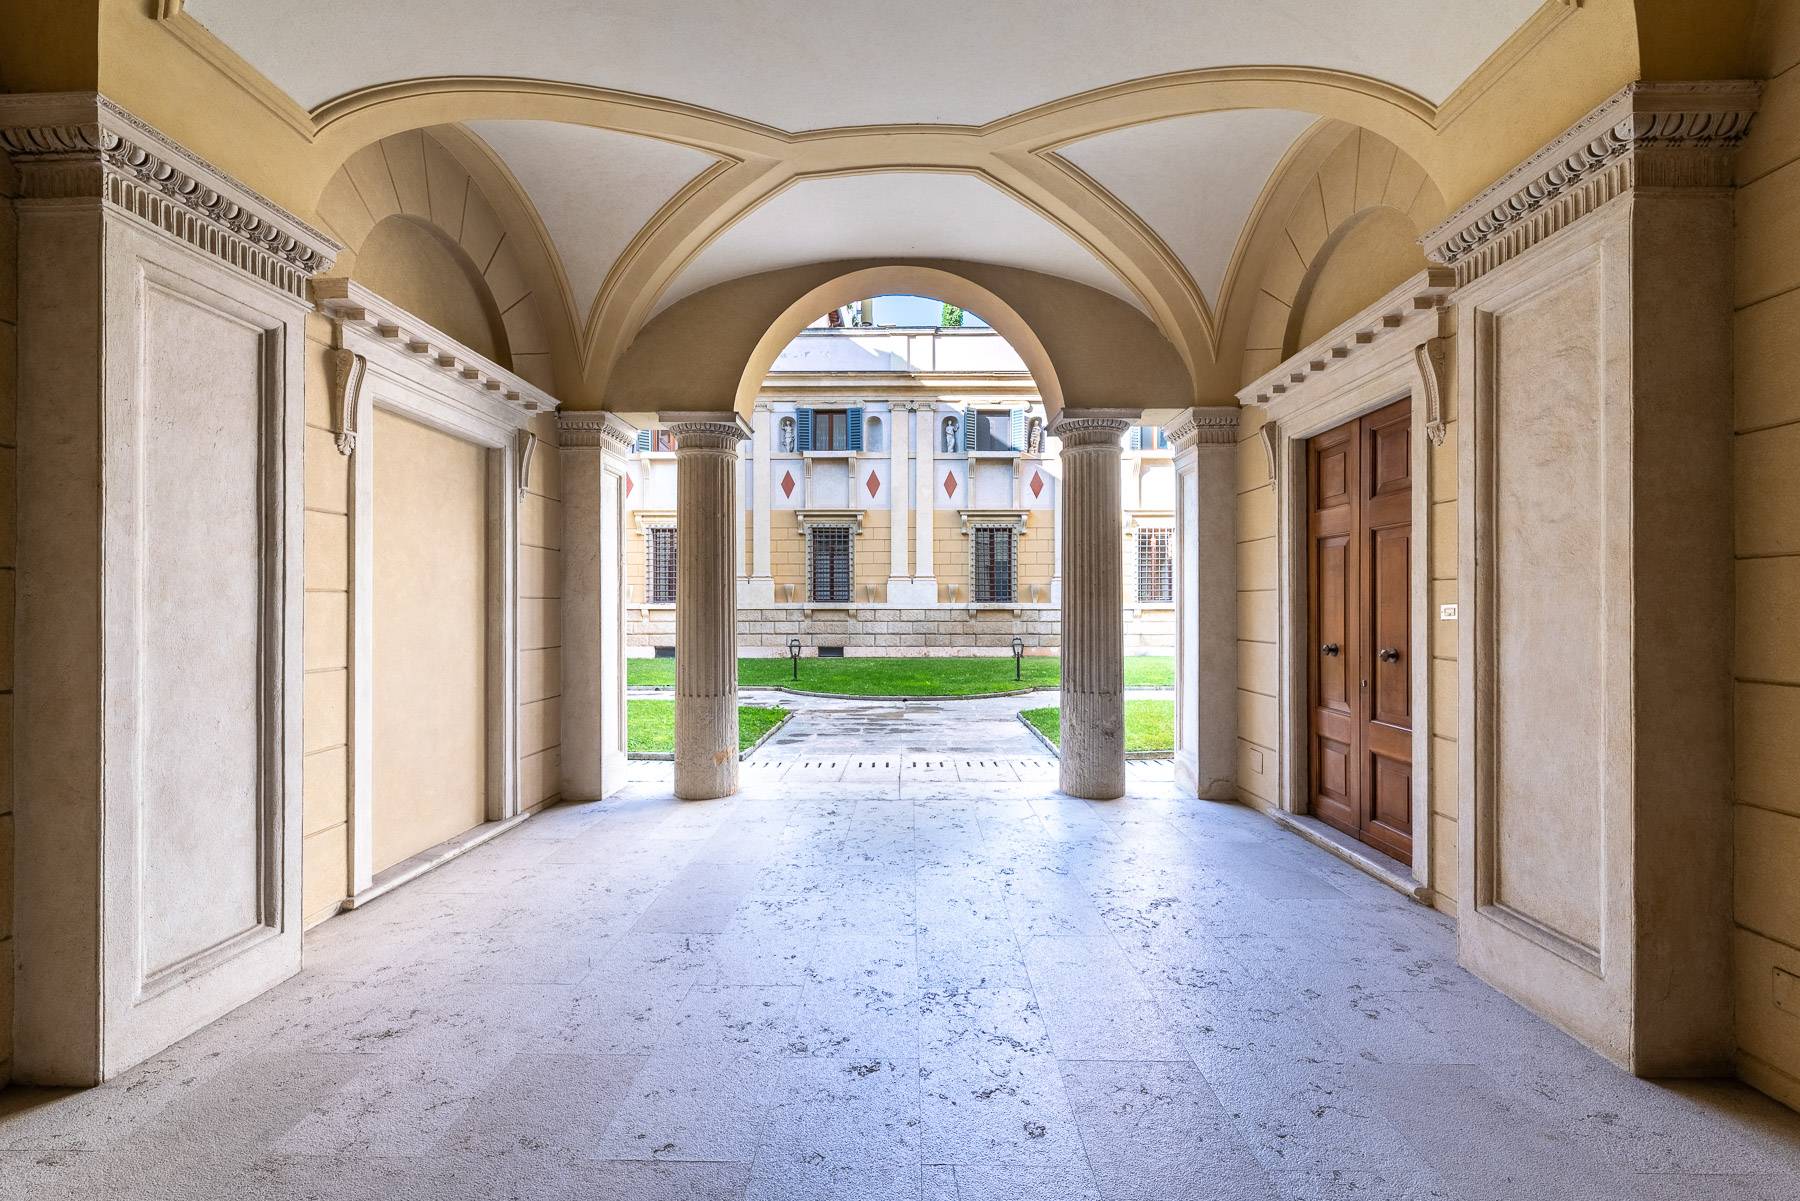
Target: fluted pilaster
{"type": "Point", "coordinates": [1093, 622]}
{"type": "Point", "coordinates": [706, 557]}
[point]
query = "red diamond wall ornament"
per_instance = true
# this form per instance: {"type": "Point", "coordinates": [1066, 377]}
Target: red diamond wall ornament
{"type": "Point", "coordinates": [787, 483]}
{"type": "Point", "coordinates": [627, 485]}
{"type": "Point", "coordinates": [1037, 484]}
{"type": "Point", "coordinates": [873, 483]}
{"type": "Point", "coordinates": [949, 483]}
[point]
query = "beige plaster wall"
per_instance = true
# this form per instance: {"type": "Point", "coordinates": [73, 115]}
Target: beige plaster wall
{"type": "Point", "coordinates": [325, 646]}
{"type": "Point", "coordinates": [1767, 670]}
{"type": "Point", "coordinates": [9, 358]}
{"type": "Point", "coordinates": [1369, 255]}
{"type": "Point", "coordinates": [417, 266]}
{"type": "Point", "coordinates": [430, 638]}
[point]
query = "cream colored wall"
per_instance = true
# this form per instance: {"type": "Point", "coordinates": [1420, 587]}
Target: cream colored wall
{"type": "Point", "coordinates": [1037, 552]}
{"type": "Point", "coordinates": [418, 267]}
{"type": "Point", "coordinates": [325, 646]}
{"type": "Point", "coordinates": [1366, 257]}
{"type": "Point", "coordinates": [1767, 790]}
{"type": "Point", "coordinates": [540, 622]}
{"type": "Point", "coordinates": [1442, 702]}
{"type": "Point", "coordinates": [9, 357]}
{"type": "Point", "coordinates": [430, 638]}
{"type": "Point", "coordinates": [871, 555]}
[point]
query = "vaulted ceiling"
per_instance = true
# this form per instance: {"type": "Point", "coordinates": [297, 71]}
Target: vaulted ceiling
{"type": "Point", "coordinates": [685, 143]}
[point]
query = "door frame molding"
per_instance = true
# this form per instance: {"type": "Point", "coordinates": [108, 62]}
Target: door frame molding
{"type": "Point", "coordinates": [412, 370]}
{"type": "Point", "coordinates": [1386, 353]}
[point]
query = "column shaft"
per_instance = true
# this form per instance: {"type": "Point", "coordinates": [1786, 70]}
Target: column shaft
{"type": "Point", "coordinates": [1206, 601]}
{"type": "Point", "coordinates": [707, 519]}
{"type": "Point", "coordinates": [1093, 622]}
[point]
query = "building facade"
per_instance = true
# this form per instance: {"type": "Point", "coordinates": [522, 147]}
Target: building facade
{"type": "Point", "coordinates": [900, 496]}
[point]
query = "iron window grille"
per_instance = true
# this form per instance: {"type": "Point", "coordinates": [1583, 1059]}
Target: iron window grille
{"type": "Point", "coordinates": [1155, 568]}
{"type": "Point", "coordinates": [829, 567]}
{"type": "Point", "coordinates": [994, 567]}
{"type": "Point", "coordinates": [659, 575]}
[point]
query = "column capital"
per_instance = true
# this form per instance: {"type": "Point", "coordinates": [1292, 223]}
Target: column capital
{"type": "Point", "coordinates": [80, 146]}
{"type": "Point", "coordinates": [1080, 429]}
{"type": "Point", "coordinates": [1214, 425]}
{"type": "Point", "coordinates": [605, 431]}
{"type": "Point", "coordinates": [1647, 134]}
{"type": "Point", "coordinates": [705, 430]}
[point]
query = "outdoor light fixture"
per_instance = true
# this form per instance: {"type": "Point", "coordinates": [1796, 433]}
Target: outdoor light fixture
{"type": "Point", "coordinates": [794, 654]}
{"type": "Point", "coordinates": [1018, 657]}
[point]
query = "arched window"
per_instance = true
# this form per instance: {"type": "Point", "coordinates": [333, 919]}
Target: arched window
{"type": "Point", "coordinates": [872, 434]}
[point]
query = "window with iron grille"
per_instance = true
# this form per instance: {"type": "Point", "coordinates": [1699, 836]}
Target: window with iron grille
{"type": "Point", "coordinates": [1155, 570]}
{"type": "Point", "coordinates": [659, 576]}
{"type": "Point", "coordinates": [994, 559]}
{"type": "Point", "coordinates": [828, 568]}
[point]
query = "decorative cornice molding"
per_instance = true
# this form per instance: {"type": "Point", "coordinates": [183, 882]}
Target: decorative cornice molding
{"type": "Point", "coordinates": [1085, 429]}
{"type": "Point", "coordinates": [1215, 426]}
{"type": "Point", "coordinates": [604, 430]}
{"type": "Point", "coordinates": [352, 306]}
{"type": "Point", "coordinates": [82, 146]}
{"type": "Point", "coordinates": [1647, 135]}
{"type": "Point", "coordinates": [1423, 296]}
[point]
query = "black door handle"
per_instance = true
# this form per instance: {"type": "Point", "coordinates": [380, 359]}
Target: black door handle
{"type": "Point", "coordinates": [1330, 648]}
{"type": "Point", "coordinates": [1388, 654]}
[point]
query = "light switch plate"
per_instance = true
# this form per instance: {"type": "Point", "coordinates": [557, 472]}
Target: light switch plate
{"type": "Point", "coordinates": [1446, 612]}
{"type": "Point", "coordinates": [1787, 992]}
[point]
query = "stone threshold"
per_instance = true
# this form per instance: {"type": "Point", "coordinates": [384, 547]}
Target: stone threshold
{"type": "Point", "coordinates": [432, 858]}
{"type": "Point", "coordinates": [1357, 855]}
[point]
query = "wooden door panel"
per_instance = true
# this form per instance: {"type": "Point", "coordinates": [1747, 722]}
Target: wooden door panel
{"type": "Point", "coordinates": [1389, 792]}
{"type": "Point", "coordinates": [1334, 783]}
{"type": "Point", "coordinates": [1390, 667]}
{"type": "Point", "coordinates": [1331, 631]}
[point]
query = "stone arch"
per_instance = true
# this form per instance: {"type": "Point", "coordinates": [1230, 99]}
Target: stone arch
{"type": "Point", "coordinates": [423, 177]}
{"type": "Point", "coordinates": [1346, 187]}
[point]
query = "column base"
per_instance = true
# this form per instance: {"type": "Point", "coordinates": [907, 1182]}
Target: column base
{"type": "Point", "coordinates": [911, 590]}
{"type": "Point", "coordinates": [1092, 764]}
{"type": "Point", "coordinates": [706, 747]}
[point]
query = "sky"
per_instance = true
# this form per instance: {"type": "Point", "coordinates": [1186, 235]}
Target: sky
{"type": "Point", "coordinates": [915, 310]}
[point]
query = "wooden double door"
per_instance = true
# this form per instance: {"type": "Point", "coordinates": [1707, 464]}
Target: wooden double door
{"type": "Point", "coordinates": [1359, 576]}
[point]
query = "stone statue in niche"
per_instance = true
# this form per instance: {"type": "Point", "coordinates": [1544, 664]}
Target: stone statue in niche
{"type": "Point", "coordinates": [1034, 436]}
{"type": "Point", "coordinates": [787, 436]}
{"type": "Point", "coordinates": [950, 446]}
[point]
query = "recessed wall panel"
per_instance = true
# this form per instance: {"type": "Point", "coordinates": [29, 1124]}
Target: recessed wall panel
{"type": "Point", "coordinates": [203, 817]}
{"type": "Point", "coordinates": [1549, 601]}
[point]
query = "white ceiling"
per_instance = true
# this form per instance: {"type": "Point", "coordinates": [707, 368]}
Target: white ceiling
{"type": "Point", "coordinates": [893, 214]}
{"type": "Point", "coordinates": [593, 188]}
{"type": "Point", "coordinates": [1193, 179]}
{"type": "Point", "coordinates": [806, 66]}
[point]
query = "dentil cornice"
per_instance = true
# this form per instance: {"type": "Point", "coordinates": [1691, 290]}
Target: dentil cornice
{"type": "Point", "coordinates": [82, 146]}
{"type": "Point", "coordinates": [1647, 135]}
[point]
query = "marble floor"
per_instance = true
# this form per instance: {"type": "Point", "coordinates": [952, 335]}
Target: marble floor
{"type": "Point", "coordinates": [925, 984]}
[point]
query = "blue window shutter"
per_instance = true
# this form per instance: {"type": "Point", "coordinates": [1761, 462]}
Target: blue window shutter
{"type": "Point", "coordinates": [968, 430]}
{"type": "Point", "coordinates": [1137, 438]}
{"type": "Point", "coordinates": [642, 442]}
{"type": "Point", "coordinates": [803, 429]}
{"type": "Point", "coordinates": [1016, 436]}
{"type": "Point", "coordinates": [856, 430]}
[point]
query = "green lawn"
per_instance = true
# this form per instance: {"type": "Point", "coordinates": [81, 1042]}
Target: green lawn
{"type": "Point", "coordinates": [650, 725]}
{"type": "Point", "coordinates": [1149, 725]}
{"type": "Point", "coordinates": [905, 677]}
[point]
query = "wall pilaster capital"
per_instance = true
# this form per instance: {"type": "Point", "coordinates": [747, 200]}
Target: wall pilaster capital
{"type": "Point", "coordinates": [603, 431]}
{"type": "Point", "coordinates": [1085, 429]}
{"type": "Point", "coordinates": [80, 146]}
{"type": "Point", "coordinates": [1214, 425]}
{"type": "Point", "coordinates": [1646, 135]}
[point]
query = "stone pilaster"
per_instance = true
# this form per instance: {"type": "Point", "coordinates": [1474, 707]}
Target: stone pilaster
{"type": "Point", "coordinates": [595, 456]}
{"type": "Point", "coordinates": [759, 589]}
{"type": "Point", "coordinates": [1205, 442]}
{"type": "Point", "coordinates": [1093, 620]}
{"type": "Point", "coordinates": [925, 437]}
{"type": "Point", "coordinates": [707, 522]}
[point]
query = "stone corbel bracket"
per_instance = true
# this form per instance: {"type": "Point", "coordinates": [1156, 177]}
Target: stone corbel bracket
{"type": "Point", "coordinates": [71, 146]}
{"type": "Point", "coordinates": [347, 368]}
{"type": "Point", "coordinates": [1656, 135]}
{"type": "Point", "coordinates": [1417, 302]}
{"type": "Point", "coordinates": [1432, 358]}
{"type": "Point", "coordinates": [524, 449]}
{"type": "Point", "coordinates": [355, 309]}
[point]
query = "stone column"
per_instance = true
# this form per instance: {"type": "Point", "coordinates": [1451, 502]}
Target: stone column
{"type": "Point", "coordinates": [759, 590]}
{"type": "Point", "coordinates": [1093, 620]}
{"type": "Point", "coordinates": [1205, 442]}
{"type": "Point", "coordinates": [706, 522]}
{"type": "Point", "coordinates": [595, 456]}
